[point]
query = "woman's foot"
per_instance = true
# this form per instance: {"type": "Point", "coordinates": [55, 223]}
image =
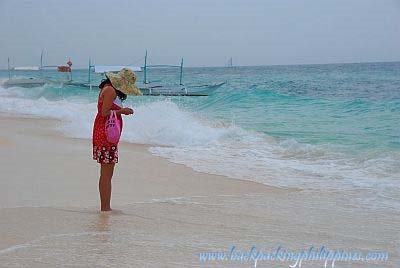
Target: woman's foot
{"type": "Point", "coordinates": [113, 211]}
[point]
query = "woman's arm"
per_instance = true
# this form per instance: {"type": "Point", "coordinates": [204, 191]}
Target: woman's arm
{"type": "Point", "coordinates": [125, 111]}
{"type": "Point", "coordinates": [108, 99]}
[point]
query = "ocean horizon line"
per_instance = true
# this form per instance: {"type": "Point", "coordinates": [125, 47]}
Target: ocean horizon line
{"type": "Point", "coordinates": [245, 66]}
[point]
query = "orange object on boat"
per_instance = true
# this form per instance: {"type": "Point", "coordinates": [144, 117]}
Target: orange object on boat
{"type": "Point", "coordinates": [65, 68]}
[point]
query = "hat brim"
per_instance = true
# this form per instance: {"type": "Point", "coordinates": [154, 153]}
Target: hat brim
{"type": "Point", "coordinates": [122, 85]}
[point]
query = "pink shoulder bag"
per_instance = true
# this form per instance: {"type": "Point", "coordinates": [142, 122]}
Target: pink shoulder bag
{"type": "Point", "coordinates": [113, 128]}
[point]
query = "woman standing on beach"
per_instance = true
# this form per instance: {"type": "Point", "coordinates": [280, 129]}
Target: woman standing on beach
{"type": "Point", "coordinates": [113, 90]}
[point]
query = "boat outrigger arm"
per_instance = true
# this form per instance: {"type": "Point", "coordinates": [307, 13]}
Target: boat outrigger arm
{"type": "Point", "coordinates": [161, 66]}
{"type": "Point", "coordinates": [181, 90]}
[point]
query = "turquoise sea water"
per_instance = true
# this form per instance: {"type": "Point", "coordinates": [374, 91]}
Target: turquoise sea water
{"type": "Point", "coordinates": [308, 126]}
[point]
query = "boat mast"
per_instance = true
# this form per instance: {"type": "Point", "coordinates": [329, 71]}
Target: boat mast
{"type": "Point", "coordinates": [41, 64]}
{"type": "Point", "coordinates": [70, 71]}
{"type": "Point", "coordinates": [145, 69]}
{"type": "Point", "coordinates": [230, 62]}
{"type": "Point", "coordinates": [8, 67]}
{"type": "Point", "coordinates": [89, 80]}
{"type": "Point", "coordinates": [181, 73]}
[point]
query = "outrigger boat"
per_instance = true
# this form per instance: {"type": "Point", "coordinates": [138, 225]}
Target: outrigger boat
{"type": "Point", "coordinates": [146, 87]}
{"type": "Point", "coordinates": [150, 89]}
{"type": "Point", "coordinates": [37, 81]}
{"type": "Point", "coordinates": [24, 82]}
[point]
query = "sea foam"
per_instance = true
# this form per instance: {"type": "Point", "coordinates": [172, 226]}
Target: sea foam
{"type": "Point", "coordinates": [224, 149]}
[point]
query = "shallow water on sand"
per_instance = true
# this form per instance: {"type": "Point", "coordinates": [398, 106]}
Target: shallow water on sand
{"type": "Point", "coordinates": [172, 232]}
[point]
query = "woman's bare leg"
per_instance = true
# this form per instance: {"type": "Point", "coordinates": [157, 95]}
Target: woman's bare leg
{"type": "Point", "coordinates": [106, 173]}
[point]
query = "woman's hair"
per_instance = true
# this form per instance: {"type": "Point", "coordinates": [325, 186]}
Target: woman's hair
{"type": "Point", "coordinates": [106, 81]}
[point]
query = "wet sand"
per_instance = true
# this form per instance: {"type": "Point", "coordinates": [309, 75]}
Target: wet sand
{"type": "Point", "coordinates": [167, 213]}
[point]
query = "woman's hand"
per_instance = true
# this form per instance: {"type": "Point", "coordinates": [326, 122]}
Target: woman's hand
{"type": "Point", "coordinates": [125, 111]}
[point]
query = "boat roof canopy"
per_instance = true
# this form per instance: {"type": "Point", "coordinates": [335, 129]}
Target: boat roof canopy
{"type": "Point", "coordinates": [27, 68]}
{"type": "Point", "coordinates": [114, 68]}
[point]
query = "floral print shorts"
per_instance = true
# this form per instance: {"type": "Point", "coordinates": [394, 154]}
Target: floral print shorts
{"type": "Point", "coordinates": [105, 154]}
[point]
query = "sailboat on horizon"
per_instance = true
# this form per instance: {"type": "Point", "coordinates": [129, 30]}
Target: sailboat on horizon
{"type": "Point", "coordinates": [229, 63]}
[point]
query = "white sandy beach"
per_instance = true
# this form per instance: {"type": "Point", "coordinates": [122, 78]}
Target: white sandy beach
{"type": "Point", "coordinates": [168, 213]}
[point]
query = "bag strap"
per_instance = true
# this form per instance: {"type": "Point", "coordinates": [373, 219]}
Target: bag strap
{"type": "Point", "coordinates": [113, 115]}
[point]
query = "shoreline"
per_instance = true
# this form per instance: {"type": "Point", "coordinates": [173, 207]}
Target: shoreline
{"type": "Point", "coordinates": [39, 127]}
{"type": "Point", "coordinates": [49, 205]}
{"type": "Point", "coordinates": [128, 146]}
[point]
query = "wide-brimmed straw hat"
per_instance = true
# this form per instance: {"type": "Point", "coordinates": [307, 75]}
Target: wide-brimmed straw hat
{"type": "Point", "coordinates": [124, 81]}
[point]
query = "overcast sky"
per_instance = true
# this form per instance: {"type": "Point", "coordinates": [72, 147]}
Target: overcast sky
{"type": "Point", "coordinates": [204, 32]}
